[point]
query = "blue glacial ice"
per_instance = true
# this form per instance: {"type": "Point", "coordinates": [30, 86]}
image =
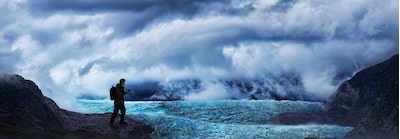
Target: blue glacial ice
{"type": "Point", "coordinates": [221, 118]}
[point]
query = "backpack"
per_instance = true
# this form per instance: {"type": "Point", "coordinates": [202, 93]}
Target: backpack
{"type": "Point", "coordinates": [112, 93]}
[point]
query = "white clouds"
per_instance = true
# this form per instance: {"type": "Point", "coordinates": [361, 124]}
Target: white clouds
{"type": "Point", "coordinates": [14, 5]}
{"type": "Point", "coordinates": [26, 45]}
{"type": "Point", "coordinates": [256, 58]}
{"type": "Point", "coordinates": [319, 83]}
{"type": "Point", "coordinates": [212, 91]}
{"type": "Point", "coordinates": [80, 53]}
{"type": "Point", "coordinates": [317, 64]}
{"type": "Point", "coordinates": [31, 57]}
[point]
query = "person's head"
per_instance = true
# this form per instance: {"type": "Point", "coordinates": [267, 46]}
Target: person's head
{"type": "Point", "coordinates": [122, 81]}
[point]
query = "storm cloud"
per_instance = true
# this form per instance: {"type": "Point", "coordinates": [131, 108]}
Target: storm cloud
{"type": "Point", "coordinates": [74, 48]}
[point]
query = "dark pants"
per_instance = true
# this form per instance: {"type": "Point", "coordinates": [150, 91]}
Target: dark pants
{"type": "Point", "coordinates": [116, 108]}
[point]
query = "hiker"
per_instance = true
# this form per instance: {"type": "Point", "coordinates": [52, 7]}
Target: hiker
{"type": "Point", "coordinates": [119, 103]}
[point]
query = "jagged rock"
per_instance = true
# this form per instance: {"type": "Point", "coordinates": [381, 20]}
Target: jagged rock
{"type": "Point", "coordinates": [368, 102]}
{"type": "Point", "coordinates": [26, 113]}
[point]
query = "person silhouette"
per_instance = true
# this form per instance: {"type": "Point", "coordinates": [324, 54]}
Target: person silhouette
{"type": "Point", "coordinates": [119, 103]}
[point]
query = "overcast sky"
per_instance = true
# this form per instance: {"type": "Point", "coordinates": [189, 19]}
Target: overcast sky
{"type": "Point", "coordinates": [75, 47]}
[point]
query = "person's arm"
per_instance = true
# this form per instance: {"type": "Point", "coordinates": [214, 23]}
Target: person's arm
{"type": "Point", "coordinates": [126, 91]}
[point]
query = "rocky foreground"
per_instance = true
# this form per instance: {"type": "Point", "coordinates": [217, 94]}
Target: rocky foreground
{"type": "Point", "coordinates": [369, 102]}
{"type": "Point", "coordinates": [26, 113]}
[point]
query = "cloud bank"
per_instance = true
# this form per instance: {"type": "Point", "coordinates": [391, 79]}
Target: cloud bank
{"type": "Point", "coordinates": [74, 48]}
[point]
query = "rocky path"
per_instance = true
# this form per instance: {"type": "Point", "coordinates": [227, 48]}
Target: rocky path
{"type": "Point", "coordinates": [99, 123]}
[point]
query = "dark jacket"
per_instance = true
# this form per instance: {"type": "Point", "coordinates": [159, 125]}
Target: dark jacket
{"type": "Point", "coordinates": [119, 98]}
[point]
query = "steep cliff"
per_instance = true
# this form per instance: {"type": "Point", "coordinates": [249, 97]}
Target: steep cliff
{"type": "Point", "coordinates": [26, 113]}
{"type": "Point", "coordinates": [369, 102]}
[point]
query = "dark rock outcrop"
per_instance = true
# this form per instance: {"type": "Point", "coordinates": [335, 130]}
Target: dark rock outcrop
{"type": "Point", "coordinates": [368, 102]}
{"type": "Point", "coordinates": [26, 113]}
{"type": "Point", "coordinates": [23, 105]}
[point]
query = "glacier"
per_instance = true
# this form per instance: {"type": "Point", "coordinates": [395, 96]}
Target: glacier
{"type": "Point", "coordinates": [221, 118]}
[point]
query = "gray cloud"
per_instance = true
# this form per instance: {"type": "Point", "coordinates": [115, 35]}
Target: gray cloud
{"type": "Point", "coordinates": [71, 48]}
{"type": "Point", "coordinates": [283, 5]}
{"type": "Point", "coordinates": [129, 17]}
{"type": "Point", "coordinates": [9, 59]}
{"type": "Point", "coordinates": [132, 16]}
{"type": "Point", "coordinates": [104, 5]}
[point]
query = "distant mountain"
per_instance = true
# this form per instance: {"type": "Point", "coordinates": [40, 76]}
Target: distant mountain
{"type": "Point", "coordinates": [162, 91]}
{"type": "Point", "coordinates": [277, 87]}
{"type": "Point", "coordinates": [26, 113]}
{"type": "Point", "coordinates": [369, 102]}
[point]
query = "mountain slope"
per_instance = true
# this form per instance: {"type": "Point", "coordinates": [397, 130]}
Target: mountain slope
{"type": "Point", "coordinates": [23, 105]}
{"type": "Point", "coordinates": [368, 102]}
{"type": "Point", "coordinates": [374, 103]}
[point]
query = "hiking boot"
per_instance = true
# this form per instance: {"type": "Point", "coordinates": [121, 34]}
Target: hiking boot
{"type": "Point", "coordinates": [112, 126]}
{"type": "Point", "coordinates": [123, 123]}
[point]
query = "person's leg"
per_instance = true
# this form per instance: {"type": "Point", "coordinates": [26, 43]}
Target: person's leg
{"type": "Point", "coordinates": [123, 111]}
{"type": "Point", "coordinates": [114, 114]}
